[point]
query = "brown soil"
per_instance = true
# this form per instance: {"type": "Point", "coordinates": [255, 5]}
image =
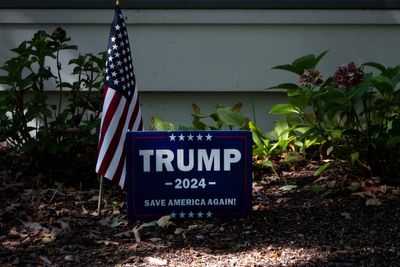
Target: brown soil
{"type": "Point", "coordinates": [58, 226]}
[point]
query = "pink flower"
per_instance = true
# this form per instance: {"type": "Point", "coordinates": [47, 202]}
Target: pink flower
{"type": "Point", "coordinates": [348, 75]}
{"type": "Point", "coordinates": [310, 77]}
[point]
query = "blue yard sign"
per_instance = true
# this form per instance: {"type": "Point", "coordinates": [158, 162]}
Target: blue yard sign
{"type": "Point", "coordinates": [188, 174]}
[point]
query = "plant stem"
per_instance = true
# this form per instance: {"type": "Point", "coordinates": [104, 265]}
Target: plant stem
{"type": "Point", "coordinates": [59, 82]}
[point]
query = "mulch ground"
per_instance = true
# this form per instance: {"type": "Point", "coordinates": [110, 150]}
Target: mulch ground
{"type": "Point", "coordinates": [59, 226]}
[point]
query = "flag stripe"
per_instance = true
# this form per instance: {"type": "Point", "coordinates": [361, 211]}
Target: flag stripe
{"type": "Point", "coordinates": [110, 105]}
{"type": "Point", "coordinates": [119, 171]}
{"type": "Point", "coordinates": [136, 122]}
{"type": "Point", "coordinates": [111, 123]}
{"type": "Point", "coordinates": [121, 108]}
{"type": "Point", "coordinates": [118, 124]}
{"type": "Point", "coordinates": [121, 142]}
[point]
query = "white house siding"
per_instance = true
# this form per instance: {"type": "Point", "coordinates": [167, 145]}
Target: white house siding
{"type": "Point", "coordinates": [217, 56]}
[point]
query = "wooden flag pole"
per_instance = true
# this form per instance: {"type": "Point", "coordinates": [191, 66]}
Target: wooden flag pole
{"type": "Point", "coordinates": [100, 194]}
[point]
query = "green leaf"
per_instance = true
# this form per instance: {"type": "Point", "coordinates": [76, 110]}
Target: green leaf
{"type": "Point", "coordinates": [336, 133]}
{"type": "Point", "coordinates": [237, 107]}
{"type": "Point", "coordinates": [299, 101]}
{"type": "Point", "coordinates": [308, 143]}
{"type": "Point", "coordinates": [196, 108]}
{"type": "Point", "coordinates": [281, 129]}
{"type": "Point", "coordinates": [284, 109]}
{"type": "Point", "coordinates": [354, 187]}
{"type": "Point", "coordinates": [115, 222]}
{"type": "Point", "coordinates": [316, 188]}
{"type": "Point", "coordinates": [302, 129]}
{"type": "Point", "coordinates": [158, 124]}
{"type": "Point", "coordinates": [46, 112]}
{"type": "Point", "coordinates": [287, 67]}
{"type": "Point", "coordinates": [283, 143]}
{"type": "Point", "coordinates": [307, 62]}
{"type": "Point", "coordinates": [5, 80]}
{"type": "Point", "coordinates": [395, 80]}
{"type": "Point", "coordinates": [288, 187]}
{"type": "Point", "coordinates": [329, 193]}
{"type": "Point", "coordinates": [304, 63]}
{"type": "Point", "coordinates": [268, 164]}
{"type": "Point", "coordinates": [197, 112]}
{"type": "Point", "coordinates": [294, 157]}
{"type": "Point", "coordinates": [198, 125]}
{"type": "Point", "coordinates": [65, 84]}
{"type": "Point", "coordinates": [320, 56]}
{"type": "Point", "coordinates": [354, 156]}
{"type": "Point", "coordinates": [299, 65]}
{"type": "Point", "coordinates": [287, 86]}
{"type": "Point", "coordinates": [375, 65]}
{"type": "Point", "coordinates": [72, 47]}
{"type": "Point", "coordinates": [230, 118]}
{"type": "Point", "coordinates": [329, 150]}
{"type": "Point", "coordinates": [258, 136]}
{"type": "Point", "coordinates": [393, 141]}
{"type": "Point", "coordinates": [382, 84]}
{"type": "Point", "coordinates": [149, 224]}
{"type": "Point", "coordinates": [322, 168]}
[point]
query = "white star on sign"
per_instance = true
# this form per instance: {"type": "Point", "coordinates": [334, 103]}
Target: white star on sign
{"type": "Point", "coordinates": [209, 214]}
{"type": "Point", "coordinates": [191, 214]}
{"type": "Point", "coordinates": [182, 214]}
{"type": "Point", "coordinates": [208, 136]}
{"type": "Point", "coordinates": [173, 215]}
{"type": "Point", "coordinates": [190, 137]}
{"type": "Point", "coordinates": [172, 137]}
{"type": "Point", "coordinates": [199, 137]}
{"type": "Point", "coordinates": [200, 214]}
{"type": "Point", "coordinates": [181, 137]}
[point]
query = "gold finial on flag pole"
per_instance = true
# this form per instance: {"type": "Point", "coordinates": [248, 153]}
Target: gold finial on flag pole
{"type": "Point", "coordinates": [118, 2]}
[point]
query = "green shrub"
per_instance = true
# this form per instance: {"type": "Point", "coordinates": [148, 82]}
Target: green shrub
{"type": "Point", "coordinates": [52, 135]}
{"type": "Point", "coordinates": [354, 113]}
{"type": "Point", "coordinates": [221, 118]}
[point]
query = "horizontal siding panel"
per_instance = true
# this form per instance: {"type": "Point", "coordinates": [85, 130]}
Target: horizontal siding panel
{"type": "Point", "coordinates": [193, 16]}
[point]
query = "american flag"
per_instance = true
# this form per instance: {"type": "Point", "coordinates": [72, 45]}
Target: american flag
{"type": "Point", "coordinates": [121, 109]}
